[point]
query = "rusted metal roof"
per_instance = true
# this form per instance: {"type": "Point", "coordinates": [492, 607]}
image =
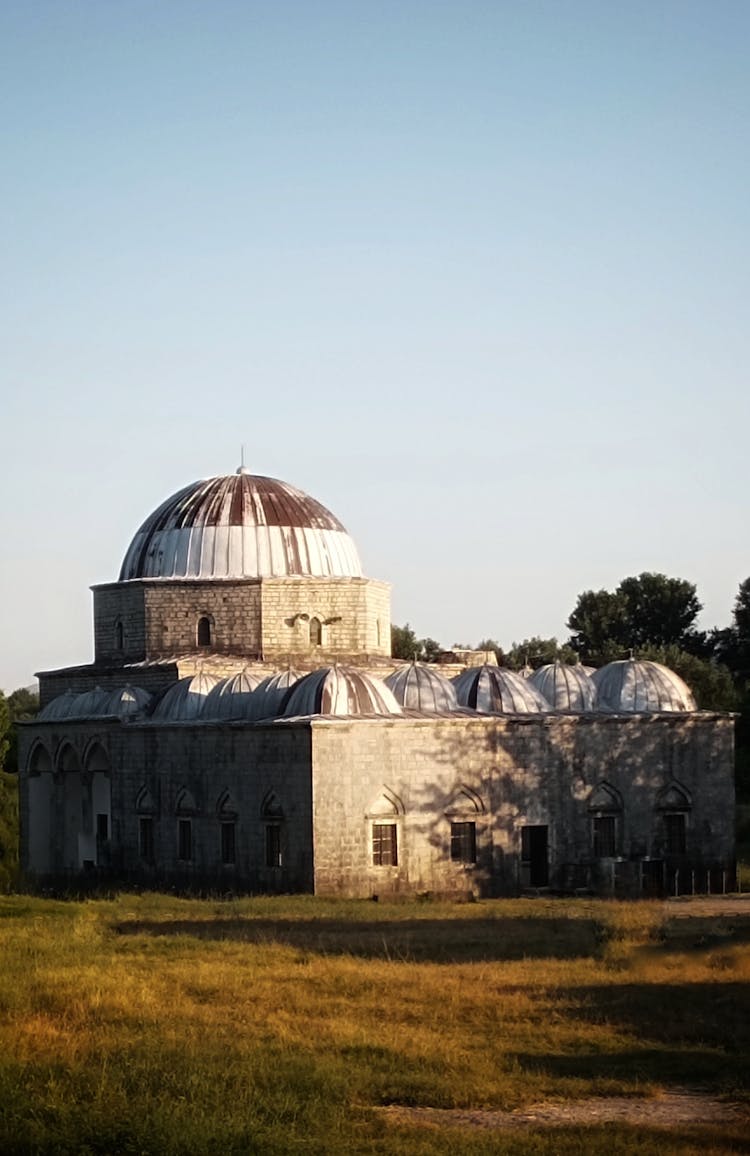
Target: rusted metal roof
{"type": "Point", "coordinates": [241, 526]}
{"type": "Point", "coordinates": [339, 690]}
{"type": "Point", "coordinates": [230, 698]}
{"type": "Point", "coordinates": [633, 686]}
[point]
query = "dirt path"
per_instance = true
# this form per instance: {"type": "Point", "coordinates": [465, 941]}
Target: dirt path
{"type": "Point", "coordinates": [669, 1110]}
{"type": "Point", "coordinates": [702, 905]}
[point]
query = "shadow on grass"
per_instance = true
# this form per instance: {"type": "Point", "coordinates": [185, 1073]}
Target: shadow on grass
{"type": "Point", "coordinates": [691, 1033]}
{"type": "Point", "coordinates": [418, 940]}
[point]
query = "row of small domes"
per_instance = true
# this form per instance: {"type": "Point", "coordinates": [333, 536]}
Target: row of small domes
{"type": "Point", "coordinates": [628, 686]}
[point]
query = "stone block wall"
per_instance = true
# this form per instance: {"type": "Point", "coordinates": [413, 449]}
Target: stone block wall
{"type": "Point", "coordinates": [122, 603]}
{"type": "Point", "coordinates": [173, 610]}
{"type": "Point", "coordinates": [354, 616]}
{"type": "Point", "coordinates": [503, 775]}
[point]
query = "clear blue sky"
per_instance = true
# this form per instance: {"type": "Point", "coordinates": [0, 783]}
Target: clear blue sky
{"type": "Point", "coordinates": [474, 274]}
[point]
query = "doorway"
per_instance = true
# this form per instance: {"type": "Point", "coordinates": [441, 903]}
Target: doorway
{"type": "Point", "coordinates": [534, 858]}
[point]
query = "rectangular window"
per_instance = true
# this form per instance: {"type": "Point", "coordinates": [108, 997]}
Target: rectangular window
{"type": "Point", "coordinates": [675, 828]}
{"type": "Point", "coordinates": [604, 836]}
{"type": "Point", "coordinates": [228, 848]}
{"type": "Point", "coordinates": [273, 845]}
{"type": "Point", "coordinates": [184, 840]}
{"type": "Point", "coordinates": [146, 838]}
{"type": "Point", "coordinates": [384, 845]}
{"type": "Point", "coordinates": [464, 842]}
{"type": "Point", "coordinates": [102, 828]}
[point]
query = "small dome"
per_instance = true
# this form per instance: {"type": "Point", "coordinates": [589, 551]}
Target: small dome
{"type": "Point", "coordinates": [419, 687]}
{"type": "Point", "coordinates": [340, 690]}
{"type": "Point", "coordinates": [230, 698]}
{"type": "Point", "coordinates": [241, 526]}
{"type": "Point", "coordinates": [59, 707]}
{"type": "Point", "coordinates": [634, 686]}
{"type": "Point", "coordinates": [266, 700]}
{"type": "Point", "coordinates": [186, 700]}
{"type": "Point", "coordinates": [565, 687]}
{"type": "Point", "coordinates": [91, 704]}
{"type": "Point", "coordinates": [495, 690]}
{"type": "Point", "coordinates": [127, 700]}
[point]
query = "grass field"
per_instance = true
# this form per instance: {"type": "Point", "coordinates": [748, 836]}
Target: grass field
{"type": "Point", "coordinates": [152, 1024]}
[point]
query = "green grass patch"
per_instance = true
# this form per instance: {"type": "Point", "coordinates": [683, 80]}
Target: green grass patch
{"type": "Point", "coordinates": [148, 1023]}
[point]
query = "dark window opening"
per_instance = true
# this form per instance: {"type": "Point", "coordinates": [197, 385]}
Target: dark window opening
{"type": "Point", "coordinates": [204, 631]}
{"type": "Point", "coordinates": [119, 636]}
{"type": "Point", "coordinates": [273, 845]}
{"type": "Point", "coordinates": [228, 844]}
{"type": "Point", "coordinates": [604, 836]}
{"type": "Point", "coordinates": [316, 632]}
{"type": "Point", "coordinates": [184, 840]}
{"type": "Point", "coordinates": [464, 842]}
{"type": "Point", "coordinates": [146, 838]}
{"type": "Point", "coordinates": [102, 828]}
{"type": "Point", "coordinates": [675, 830]}
{"type": "Point", "coordinates": [384, 845]}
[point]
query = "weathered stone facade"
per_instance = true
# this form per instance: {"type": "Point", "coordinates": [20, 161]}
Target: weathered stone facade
{"type": "Point", "coordinates": [347, 802]}
{"type": "Point", "coordinates": [325, 784]}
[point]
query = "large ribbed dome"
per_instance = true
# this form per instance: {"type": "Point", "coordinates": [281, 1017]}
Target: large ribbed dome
{"type": "Point", "coordinates": [634, 686]}
{"type": "Point", "coordinates": [241, 526]}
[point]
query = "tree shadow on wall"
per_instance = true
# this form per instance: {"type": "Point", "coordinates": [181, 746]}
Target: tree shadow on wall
{"type": "Point", "coordinates": [465, 940]}
{"type": "Point", "coordinates": [545, 769]}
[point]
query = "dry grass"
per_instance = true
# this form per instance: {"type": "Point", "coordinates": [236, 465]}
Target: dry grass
{"type": "Point", "coordinates": [154, 1024]}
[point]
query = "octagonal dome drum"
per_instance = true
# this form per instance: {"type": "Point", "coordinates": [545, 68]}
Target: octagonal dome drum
{"type": "Point", "coordinates": [240, 526]}
{"type": "Point", "coordinates": [634, 686]}
{"type": "Point", "coordinates": [339, 690]}
{"type": "Point", "coordinates": [186, 700]}
{"type": "Point", "coordinates": [495, 690]}
{"type": "Point", "coordinates": [419, 687]}
{"type": "Point", "coordinates": [565, 687]}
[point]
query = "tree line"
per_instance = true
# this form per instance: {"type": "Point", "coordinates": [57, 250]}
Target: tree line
{"type": "Point", "coordinates": [648, 616]}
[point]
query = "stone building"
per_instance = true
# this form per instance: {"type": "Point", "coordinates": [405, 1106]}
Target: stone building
{"type": "Point", "coordinates": [242, 727]}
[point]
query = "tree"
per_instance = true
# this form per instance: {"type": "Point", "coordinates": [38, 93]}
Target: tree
{"type": "Point", "coordinates": [22, 704]}
{"type": "Point", "coordinates": [537, 651]}
{"type": "Point", "coordinates": [650, 610]}
{"type": "Point", "coordinates": [4, 729]}
{"type": "Point", "coordinates": [406, 645]}
{"type": "Point", "coordinates": [492, 644]}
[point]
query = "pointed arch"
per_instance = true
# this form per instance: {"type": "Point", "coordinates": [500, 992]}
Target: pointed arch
{"type": "Point", "coordinates": [226, 807]}
{"type": "Point", "coordinates": [119, 635]}
{"type": "Point", "coordinates": [605, 797]}
{"type": "Point", "coordinates": [144, 800]}
{"type": "Point", "coordinates": [67, 760]}
{"type": "Point", "coordinates": [95, 758]}
{"type": "Point", "coordinates": [465, 801]}
{"type": "Point", "coordinates": [316, 632]}
{"type": "Point", "coordinates": [185, 803]}
{"type": "Point", "coordinates": [387, 803]}
{"type": "Point", "coordinates": [674, 797]}
{"type": "Point", "coordinates": [39, 761]}
{"type": "Point", "coordinates": [271, 807]}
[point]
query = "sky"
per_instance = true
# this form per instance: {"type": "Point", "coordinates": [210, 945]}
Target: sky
{"type": "Point", "coordinates": [474, 274]}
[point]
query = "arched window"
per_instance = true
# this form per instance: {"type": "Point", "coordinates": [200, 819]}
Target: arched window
{"type": "Point", "coordinates": [605, 812]}
{"type": "Point", "coordinates": [119, 636]}
{"type": "Point", "coordinates": [316, 632]}
{"type": "Point", "coordinates": [204, 631]}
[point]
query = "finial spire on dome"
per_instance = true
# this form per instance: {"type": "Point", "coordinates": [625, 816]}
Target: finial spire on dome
{"type": "Point", "coordinates": [242, 468]}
